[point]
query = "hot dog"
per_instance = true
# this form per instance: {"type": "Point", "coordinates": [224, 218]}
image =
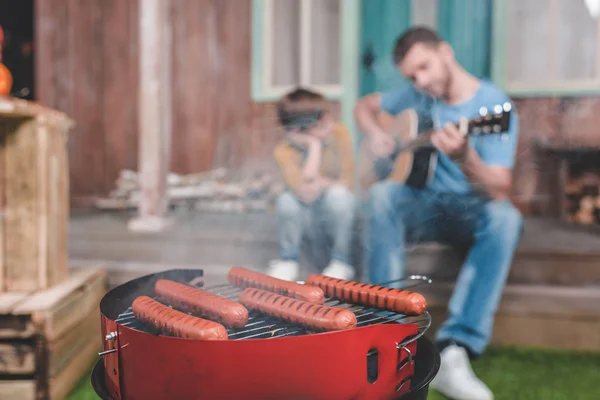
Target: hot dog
{"type": "Point", "coordinates": [390, 299]}
{"type": "Point", "coordinates": [245, 278]}
{"type": "Point", "coordinates": [207, 305]}
{"type": "Point", "coordinates": [176, 322]}
{"type": "Point", "coordinates": [310, 315]}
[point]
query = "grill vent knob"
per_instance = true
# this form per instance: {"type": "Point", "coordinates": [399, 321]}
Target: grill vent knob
{"type": "Point", "coordinates": [111, 336]}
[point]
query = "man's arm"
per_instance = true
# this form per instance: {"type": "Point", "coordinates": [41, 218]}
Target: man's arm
{"type": "Point", "coordinates": [494, 181]}
{"type": "Point", "coordinates": [488, 169]}
{"type": "Point", "coordinates": [366, 113]}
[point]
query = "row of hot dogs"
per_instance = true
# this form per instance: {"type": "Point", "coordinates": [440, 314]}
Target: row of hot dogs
{"type": "Point", "coordinates": [300, 304]}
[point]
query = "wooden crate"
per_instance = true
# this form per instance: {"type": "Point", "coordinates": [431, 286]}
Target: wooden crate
{"type": "Point", "coordinates": [49, 339]}
{"type": "Point", "coordinates": [34, 196]}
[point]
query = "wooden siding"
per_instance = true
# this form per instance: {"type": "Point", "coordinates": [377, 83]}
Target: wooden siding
{"type": "Point", "coordinates": [86, 66]}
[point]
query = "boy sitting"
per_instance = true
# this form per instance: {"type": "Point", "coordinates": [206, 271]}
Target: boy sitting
{"type": "Point", "coordinates": [316, 161]}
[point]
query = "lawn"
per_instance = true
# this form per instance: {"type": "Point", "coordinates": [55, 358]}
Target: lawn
{"type": "Point", "coordinates": [512, 373]}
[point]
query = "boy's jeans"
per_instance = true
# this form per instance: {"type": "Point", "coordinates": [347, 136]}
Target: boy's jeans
{"type": "Point", "coordinates": [329, 219]}
{"type": "Point", "coordinates": [398, 215]}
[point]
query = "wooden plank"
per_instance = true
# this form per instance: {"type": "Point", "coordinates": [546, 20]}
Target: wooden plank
{"type": "Point", "coordinates": [573, 303]}
{"type": "Point", "coordinates": [69, 377]}
{"type": "Point", "coordinates": [556, 332]}
{"type": "Point", "coordinates": [65, 348]}
{"type": "Point", "coordinates": [17, 358]}
{"type": "Point", "coordinates": [59, 309]}
{"type": "Point", "coordinates": [195, 40]}
{"type": "Point", "coordinates": [18, 389]}
{"type": "Point", "coordinates": [43, 211]}
{"type": "Point", "coordinates": [58, 204]}
{"type": "Point", "coordinates": [71, 311]}
{"type": "Point", "coordinates": [85, 39]}
{"type": "Point", "coordinates": [2, 199]}
{"type": "Point", "coordinates": [22, 245]}
{"type": "Point", "coordinates": [520, 330]}
{"type": "Point", "coordinates": [50, 298]}
{"type": "Point", "coordinates": [120, 87]}
{"type": "Point", "coordinates": [8, 301]}
{"type": "Point", "coordinates": [35, 219]}
{"type": "Point", "coordinates": [16, 326]}
{"type": "Point", "coordinates": [154, 117]}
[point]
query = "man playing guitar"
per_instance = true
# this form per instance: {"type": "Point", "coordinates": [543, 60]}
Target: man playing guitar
{"type": "Point", "coordinates": [463, 202]}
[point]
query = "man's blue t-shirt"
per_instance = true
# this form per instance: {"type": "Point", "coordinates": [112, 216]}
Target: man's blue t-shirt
{"type": "Point", "coordinates": [494, 149]}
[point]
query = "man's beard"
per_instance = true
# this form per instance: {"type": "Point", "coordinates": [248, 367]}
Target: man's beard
{"type": "Point", "coordinates": [444, 85]}
{"type": "Point", "coordinates": [448, 82]}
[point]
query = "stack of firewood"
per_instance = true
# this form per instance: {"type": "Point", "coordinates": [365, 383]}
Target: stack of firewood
{"type": "Point", "coordinates": [213, 191]}
{"type": "Point", "coordinates": [583, 199]}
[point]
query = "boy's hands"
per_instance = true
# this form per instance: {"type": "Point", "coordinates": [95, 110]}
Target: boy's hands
{"type": "Point", "coordinates": [305, 140]}
{"type": "Point", "coordinates": [315, 184]}
{"type": "Point", "coordinates": [311, 191]}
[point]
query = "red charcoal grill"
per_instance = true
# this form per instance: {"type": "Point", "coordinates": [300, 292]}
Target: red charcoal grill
{"type": "Point", "coordinates": [386, 357]}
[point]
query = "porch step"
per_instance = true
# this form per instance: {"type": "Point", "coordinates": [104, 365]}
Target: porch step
{"type": "Point", "coordinates": [536, 316]}
{"type": "Point", "coordinates": [550, 253]}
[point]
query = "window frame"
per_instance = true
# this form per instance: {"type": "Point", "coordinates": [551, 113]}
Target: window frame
{"type": "Point", "coordinates": [261, 66]}
{"type": "Point", "coordinates": [499, 65]}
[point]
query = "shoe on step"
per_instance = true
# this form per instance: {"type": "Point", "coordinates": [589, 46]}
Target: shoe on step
{"type": "Point", "coordinates": [282, 269]}
{"type": "Point", "coordinates": [339, 270]}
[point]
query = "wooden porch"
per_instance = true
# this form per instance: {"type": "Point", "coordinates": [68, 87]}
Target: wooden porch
{"type": "Point", "coordinates": [550, 300]}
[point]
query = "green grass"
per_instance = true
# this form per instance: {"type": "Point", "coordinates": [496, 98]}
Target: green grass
{"type": "Point", "coordinates": [523, 374]}
{"type": "Point", "coordinates": [512, 373]}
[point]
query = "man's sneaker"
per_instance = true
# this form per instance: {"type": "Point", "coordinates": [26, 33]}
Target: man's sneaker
{"type": "Point", "coordinates": [286, 270]}
{"type": "Point", "coordinates": [456, 378]}
{"type": "Point", "coordinates": [339, 270]}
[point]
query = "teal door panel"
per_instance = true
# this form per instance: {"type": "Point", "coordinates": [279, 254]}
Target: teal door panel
{"type": "Point", "coordinates": [382, 21]}
{"type": "Point", "coordinates": [467, 26]}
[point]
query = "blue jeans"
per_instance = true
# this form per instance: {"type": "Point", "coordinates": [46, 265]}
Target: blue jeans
{"type": "Point", "coordinates": [398, 215]}
{"type": "Point", "coordinates": [329, 219]}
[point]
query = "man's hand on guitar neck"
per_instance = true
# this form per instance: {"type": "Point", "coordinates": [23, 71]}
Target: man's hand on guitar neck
{"type": "Point", "coordinates": [308, 192]}
{"type": "Point", "coordinates": [450, 141]}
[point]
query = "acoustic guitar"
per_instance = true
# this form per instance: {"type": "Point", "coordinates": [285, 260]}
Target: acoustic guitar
{"type": "Point", "coordinates": [414, 160]}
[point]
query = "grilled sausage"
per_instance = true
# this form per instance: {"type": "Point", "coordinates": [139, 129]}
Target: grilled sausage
{"type": "Point", "coordinates": [207, 305]}
{"type": "Point", "coordinates": [390, 299]}
{"type": "Point", "coordinates": [176, 322]}
{"type": "Point", "coordinates": [309, 315]}
{"type": "Point", "coordinates": [245, 278]}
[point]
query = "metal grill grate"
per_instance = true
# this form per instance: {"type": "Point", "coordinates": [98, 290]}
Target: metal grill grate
{"type": "Point", "coordinates": [261, 326]}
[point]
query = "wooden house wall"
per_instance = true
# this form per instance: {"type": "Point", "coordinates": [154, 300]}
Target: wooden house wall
{"type": "Point", "coordinates": [87, 58]}
{"type": "Point", "coordinates": [87, 67]}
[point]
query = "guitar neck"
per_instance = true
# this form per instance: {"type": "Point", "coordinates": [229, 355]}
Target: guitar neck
{"type": "Point", "coordinates": [423, 140]}
{"type": "Point", "coordinates": [487, 123]}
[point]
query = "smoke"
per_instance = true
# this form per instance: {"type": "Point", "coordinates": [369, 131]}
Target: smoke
{"type": "Point", "coordinates": [230, 218]}
{"type": "Point", "coordinates": [593, 7]}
